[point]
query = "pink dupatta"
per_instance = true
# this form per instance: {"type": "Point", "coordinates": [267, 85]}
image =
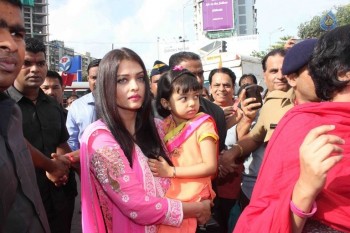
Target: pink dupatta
{"type": "Point", "coordinates": [184, 132]}
{"type": "Point", "coordinates": [92, 221]}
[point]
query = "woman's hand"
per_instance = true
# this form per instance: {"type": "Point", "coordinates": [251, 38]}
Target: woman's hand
{"type": "Point", "coordinates": [160, 167]}
{"type": "Point", "coordinates": [318, 154]}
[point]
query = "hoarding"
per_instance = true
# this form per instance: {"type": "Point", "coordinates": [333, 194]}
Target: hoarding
{"type": "Point", "coordinates": [71, 66]}
{"type": "Point", "coordinates": [217, 15]}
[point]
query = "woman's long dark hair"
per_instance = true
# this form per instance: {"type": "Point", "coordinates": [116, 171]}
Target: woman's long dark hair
{"type": "Point", "coordinates": [146, 134]}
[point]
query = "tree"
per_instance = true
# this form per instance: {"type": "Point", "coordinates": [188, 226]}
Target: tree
{"type": "Point", "coordinates": [312, 29]}
{"type": "Point", "coordinates": [259, 54]}
{"type": "Point", "coordinates": [279, 44]}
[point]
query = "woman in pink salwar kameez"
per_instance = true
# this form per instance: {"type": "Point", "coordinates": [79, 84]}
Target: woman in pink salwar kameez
{"type": "Point", "coordinates": [119, 192]}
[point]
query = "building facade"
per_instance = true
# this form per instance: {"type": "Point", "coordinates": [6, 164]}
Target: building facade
{"type": "Point", "coordinates": [36, 23]}
{"type": "Point", "coordinates": [56, 51]}
{"type": "Point", "coordinates": [36, 20]}
{"type": "Point", "coordinates": [244, 17]}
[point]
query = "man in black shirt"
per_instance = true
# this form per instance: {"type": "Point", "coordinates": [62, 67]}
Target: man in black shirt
{"type": "Point", "coordinates": [44, 127]}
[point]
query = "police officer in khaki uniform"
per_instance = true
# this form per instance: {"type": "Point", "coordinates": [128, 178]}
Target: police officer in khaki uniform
{"type": "Point", "coordinates": [277, 103]}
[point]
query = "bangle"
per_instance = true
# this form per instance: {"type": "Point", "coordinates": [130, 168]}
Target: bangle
{"type": "Point", "coordinates": [240, 149]}
{"type": "Point", "coordinates": [301, 213]}
{"type": "Point", "coordinates": [174, 172]}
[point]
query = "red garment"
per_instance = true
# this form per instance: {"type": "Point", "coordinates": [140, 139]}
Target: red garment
{"type": "Point", "coordinates": [269, 210]}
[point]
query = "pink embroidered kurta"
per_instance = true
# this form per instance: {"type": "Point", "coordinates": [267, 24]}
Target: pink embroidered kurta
{"type": "Point", "coordinates": [118, 198]}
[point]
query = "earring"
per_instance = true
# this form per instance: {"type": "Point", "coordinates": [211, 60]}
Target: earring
{"type": "Point", "coordinates": [169, 108]}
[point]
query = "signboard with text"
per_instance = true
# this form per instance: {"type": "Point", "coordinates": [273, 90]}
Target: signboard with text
{"type": "Point", "coordinates": [217, 15]}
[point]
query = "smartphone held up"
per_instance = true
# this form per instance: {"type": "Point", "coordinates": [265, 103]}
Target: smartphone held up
{"type": "Point", "coordinates": [254, 91]}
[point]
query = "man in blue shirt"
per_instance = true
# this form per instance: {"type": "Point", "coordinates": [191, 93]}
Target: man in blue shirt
{"type": "Point", "coordinates": [82, 111]}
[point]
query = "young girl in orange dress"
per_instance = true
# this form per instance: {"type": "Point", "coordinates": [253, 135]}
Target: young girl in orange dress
{"type": "Point", "coordinates": [191, 140]}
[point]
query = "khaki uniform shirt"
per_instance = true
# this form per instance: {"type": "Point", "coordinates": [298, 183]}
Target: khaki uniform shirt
{"type": "Point", "coordinates": [277, 103]}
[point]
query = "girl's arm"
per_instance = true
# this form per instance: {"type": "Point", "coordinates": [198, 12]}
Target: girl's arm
{"type": "Point", "coordinates": [208, 167]}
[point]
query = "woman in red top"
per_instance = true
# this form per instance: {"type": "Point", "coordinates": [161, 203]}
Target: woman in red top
{"type": "Point", "coordinates": [309, 192]}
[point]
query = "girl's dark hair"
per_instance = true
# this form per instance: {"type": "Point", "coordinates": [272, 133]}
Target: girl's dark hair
{"type": "Point", "coordinates": [330, 59]}
{"type": "Point", "coordinates": [146, 134]}
{"type": "Point", "coordinates": [175, 81]}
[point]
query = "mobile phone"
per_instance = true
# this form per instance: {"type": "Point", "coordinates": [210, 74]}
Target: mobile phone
{"type": "Point", "coordinates": [254, 91]}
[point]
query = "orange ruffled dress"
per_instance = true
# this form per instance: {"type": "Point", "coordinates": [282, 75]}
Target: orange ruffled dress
{"type": "Point", "coordinates": [183, 143]}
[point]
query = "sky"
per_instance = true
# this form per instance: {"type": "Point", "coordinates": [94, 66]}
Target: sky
{"type": "Point", "coordinates": [97, 26]}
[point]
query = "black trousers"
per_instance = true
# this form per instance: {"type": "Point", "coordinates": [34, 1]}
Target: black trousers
{"type": "Point", "coordinates": [60, 221]}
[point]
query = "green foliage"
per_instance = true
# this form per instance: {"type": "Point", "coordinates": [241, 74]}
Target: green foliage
{"type": "Point", "coordinates": [343, 15]}
{"type": "Point", "coordinates": [312, 28]}
{"type": "Point", "coordinates": [279, 44]}
{"type": "Point", "coordinates": [259, 54]}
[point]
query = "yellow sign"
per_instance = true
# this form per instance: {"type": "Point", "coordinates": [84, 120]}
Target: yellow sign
{"type": "Point", "coordinates": [214, 57]}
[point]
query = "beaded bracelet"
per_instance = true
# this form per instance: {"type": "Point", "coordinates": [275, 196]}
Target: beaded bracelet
{"type": "Point", "coordinates": [301, 213]}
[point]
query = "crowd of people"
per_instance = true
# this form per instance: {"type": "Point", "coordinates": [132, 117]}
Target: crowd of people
{"type": "Point", "coordinates": [160, 153]}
